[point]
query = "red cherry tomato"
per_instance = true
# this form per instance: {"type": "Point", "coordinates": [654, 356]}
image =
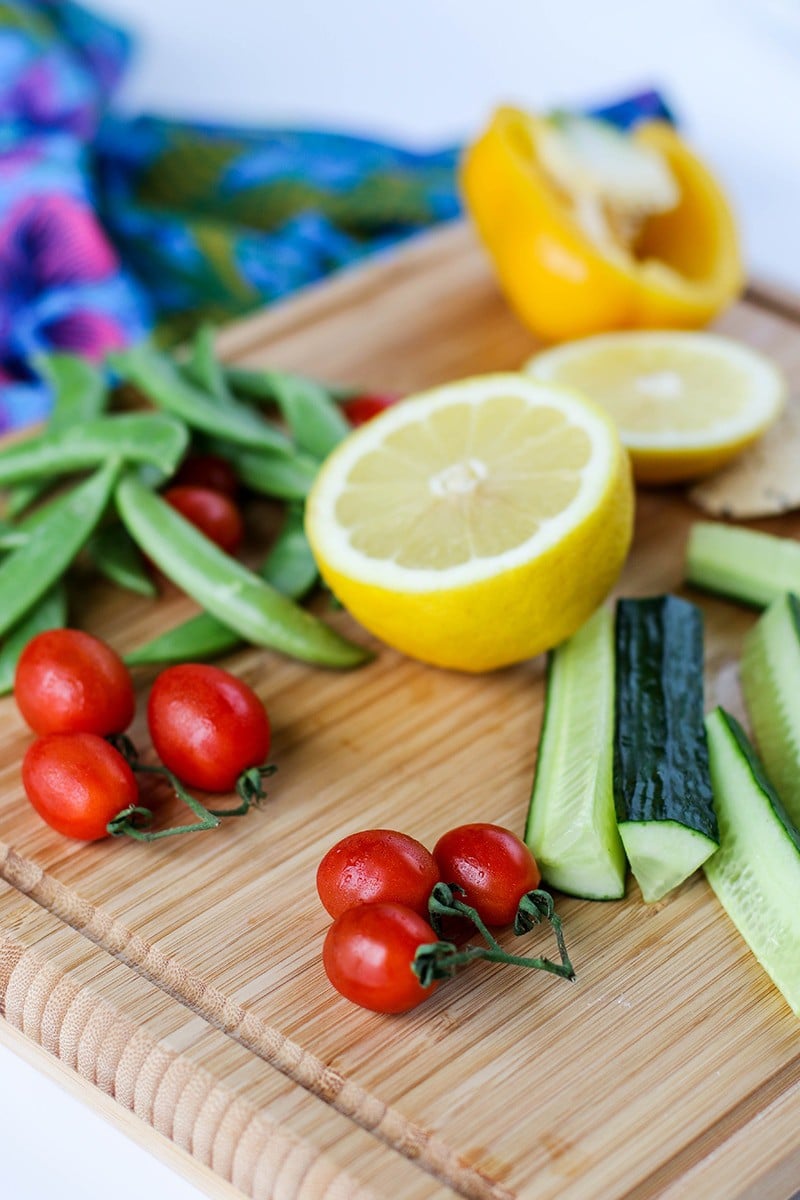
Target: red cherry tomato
{"type": "Point", "coordinates": [208, 471]}
{"type": "Point", "coordinates": [206, 725]}
{"type": "Point", "coordinates": [373, 866]}
{"type": "Point", "coordinates": [70, 682]}
{"type": "Point", "coordinates": [493, 866]}
{"type": "Point", "coordinates": [368, 953]}
{"type": "Point", "coordinates": [361, 409]}
{"type": "Point", "coordinates": [211, 512]}
{"type": "Point", "coordinates": [77, 782]}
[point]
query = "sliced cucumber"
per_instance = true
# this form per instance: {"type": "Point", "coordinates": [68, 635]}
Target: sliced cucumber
{"type": "Point", "coordinates": [662, 786]}
{"type": "Point", "coordinates": [572, 827]}
{"type": "Point", "coordinates": [756, 871]}
{"type": "Point", "coordinates": [770, 674]}
{"type": "Point", "coordinates": [742, 563]}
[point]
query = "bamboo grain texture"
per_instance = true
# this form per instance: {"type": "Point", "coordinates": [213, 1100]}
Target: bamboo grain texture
{"type": "Point", "coordinates": [651, 1076]}
{"type": "Point", "coordinates": [246, 1124]}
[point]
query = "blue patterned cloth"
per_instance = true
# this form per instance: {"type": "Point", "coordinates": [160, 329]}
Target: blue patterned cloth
{"type": "Point", "coordinates": [110, 227]}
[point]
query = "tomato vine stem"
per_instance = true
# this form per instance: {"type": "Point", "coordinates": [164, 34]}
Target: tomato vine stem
{"type": "Point", "coordinates": [134, 821]}
{"type": "Point", "coordinates": [441, 960]}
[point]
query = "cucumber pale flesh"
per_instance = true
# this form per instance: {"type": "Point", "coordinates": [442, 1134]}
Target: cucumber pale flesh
{"type": "Point", "coordinates": [756, 871]}
{"type": "Point", "coordinates": [743, 564]}
{"type": "Point", "coordinates": [770, 674]}
{"type": "Point", "coordinates": [572, 829]}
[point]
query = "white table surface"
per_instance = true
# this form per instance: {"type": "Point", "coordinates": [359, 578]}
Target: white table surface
{"type": "Point", "coordinates": [427, 72]}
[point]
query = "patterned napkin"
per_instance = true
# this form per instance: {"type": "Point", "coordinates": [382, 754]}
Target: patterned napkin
{"type": "Point", "coordinates": [110, 227]}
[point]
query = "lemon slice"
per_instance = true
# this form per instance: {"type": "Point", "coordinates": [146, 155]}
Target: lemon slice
{"type": "Point", "coordinates": [684, 403]}
{"type": "Point", "coordinates": [477, 524]}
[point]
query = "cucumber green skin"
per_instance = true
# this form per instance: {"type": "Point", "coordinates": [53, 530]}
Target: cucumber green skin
{"type": "Point", "coordinates": [661, 767]}
{"type": "Point", "coordinates": [756, 871]}
{"type": "Point", "coordinates": [770, 675]}
{"type": "Point", "coordinates": [571, 827]}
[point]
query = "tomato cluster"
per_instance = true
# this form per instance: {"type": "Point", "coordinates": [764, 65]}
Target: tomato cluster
{"type": "Point", "coordinates": [377, 886]}
{"type": "Point", "coordinates": [207, 726]}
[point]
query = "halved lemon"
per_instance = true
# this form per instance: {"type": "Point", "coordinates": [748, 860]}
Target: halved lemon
{"type": "Point", "coordinates": [477, 524]}
{"type": "Point", "coordinates": [684, 403]}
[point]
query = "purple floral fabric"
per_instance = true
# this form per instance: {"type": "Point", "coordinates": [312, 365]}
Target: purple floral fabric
{"type": "Point", "coordinates": [111, 226]}
{"type": "Point", "coordinates": [62, 286]}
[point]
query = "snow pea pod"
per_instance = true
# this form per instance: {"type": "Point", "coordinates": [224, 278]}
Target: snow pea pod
{"type": "Point", "coordinates": [162, 382]}
{"type": "Point", "coordinates": [254, 383]}
{"type": "Point", "coordinates": [282, 476]}
{"type": "Point", "coordinates": [29, 571]}
{"type": "Point", "coordinates": [79, 393]}
{"type": "Point", "coordinates": [50, 612]}
{"type": "Point", "coordinates": [116, 555]}
{"type": "Point", "coordinates": [224, 587]}
{"type": "Point", "coordinates": [289, 567]}
{"type": "Point", "coordinates": [135, 437]}
{"type": "Point", "coordinates": [316, 423]}
{"type": "Point", "coordinates": [204, 369]}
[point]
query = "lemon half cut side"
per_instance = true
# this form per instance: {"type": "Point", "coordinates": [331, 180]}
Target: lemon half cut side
{"type": "Point", "coordinates": [477, 524]}
{"type": "Point", "coordinates": [685, 404]}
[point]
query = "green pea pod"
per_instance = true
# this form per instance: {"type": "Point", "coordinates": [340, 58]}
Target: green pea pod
{"type": "Point", "coordinates": [282, 476]}
{"type": "Point", "coordinates": [11, 536]}
{"type": "Point", "coordinates": [80, 393]}
{"type": "Point", "coordinates": [224, 587]}
{"type": "Point", "coordinates": [200, 638]}
{"type": "Point", "coordinates": [161, 380]}
{"type": "Point", "coordinates": [315, 421]}
{"type": "Point", "coordinates": [204, 369]}
{"type": "Point", "coordinates": [68, 522]}
{"type": "Point", "coordinates": [134, 437]}
{"type": "Point", "coordinates": [116, 555]}
{"type": "Point", "coordinates": [50, 612]}
{"type": "Point", "coordinates": [254, 384]}
{"type": "Point", "coordinates": [289, 567]}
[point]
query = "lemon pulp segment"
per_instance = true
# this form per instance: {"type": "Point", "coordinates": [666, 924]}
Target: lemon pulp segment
{"type": "Point", "coordinates": [470, 525]}
{"type": "Point", "coordinates": [480, 475]}
{"type": "Point", "coordinates": [684, 403]}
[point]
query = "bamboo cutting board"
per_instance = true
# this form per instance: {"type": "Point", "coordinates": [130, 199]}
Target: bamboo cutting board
{"type": "Point", "coordinates": [671, 1068]}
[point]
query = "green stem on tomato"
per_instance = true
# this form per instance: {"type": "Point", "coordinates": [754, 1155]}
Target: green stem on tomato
{"type": "Point", "coordinates": [440, 960]}
{"type": "Point", "coordinates": [249, 790]}
{"type": "Point", "coordinates": [135, 820]}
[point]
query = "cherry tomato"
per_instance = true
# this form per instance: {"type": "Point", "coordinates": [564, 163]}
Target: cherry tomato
{"type": "Point", "coordinates": [493, 866]}
{"type": "Point", "coordinates": [208, 471]}
{"type": "Point", "coordinates": [207, 726]}
{"type": "Point", "coordinates": [374, 866]}
{"type": "Point", "coordinates": [77, 782]}
{"type": "Point", "coordinates": [70, 682]}
{"type": "Point", "coordinates": [213, 513]}
{"type": "Point", "coordinates": [361, 409]}
{"type": "Point", "coordinates": [368, 953]}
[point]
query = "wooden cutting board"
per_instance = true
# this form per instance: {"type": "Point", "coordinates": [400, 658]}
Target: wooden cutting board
{"type": "Point", "coordinates": [671, 1068]}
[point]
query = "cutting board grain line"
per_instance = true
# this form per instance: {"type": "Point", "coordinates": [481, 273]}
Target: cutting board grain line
{"type": "Point", "coordinates": [228, 1119]}
{"type": "Point", "coordinates": [644, 1079]}
{"type": "Point", "coordinates": [262, 1039]}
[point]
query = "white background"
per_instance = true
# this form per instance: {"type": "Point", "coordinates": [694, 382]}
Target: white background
{"type": "Point", "coordinates": [428, 72]}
